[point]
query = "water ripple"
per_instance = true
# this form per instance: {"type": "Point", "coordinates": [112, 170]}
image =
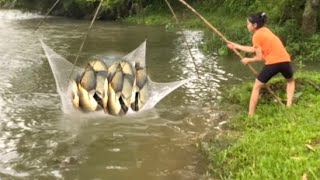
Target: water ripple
{"type": "Point", "coordinates": [38, 141]}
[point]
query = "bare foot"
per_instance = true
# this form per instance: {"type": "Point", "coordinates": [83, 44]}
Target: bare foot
{"type": "Point", "coordinates": [250, 115]}
{"type": "Point", "coordinates": [289, 104]}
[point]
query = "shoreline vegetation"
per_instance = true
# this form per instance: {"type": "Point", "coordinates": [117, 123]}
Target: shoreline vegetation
{"type": "Point", "coordinates": [278, 142]}
{"type": "Point", "coordinates": [296, 22]}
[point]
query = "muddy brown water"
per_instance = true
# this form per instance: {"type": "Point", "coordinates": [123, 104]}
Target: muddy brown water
{"type": "Point", "coordinates": [38, 141]}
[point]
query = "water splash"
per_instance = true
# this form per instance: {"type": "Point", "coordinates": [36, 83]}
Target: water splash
{"type": "Point", "coordinates": [61, 68]}
{"type": "Point", "coordinates": [14, 14]}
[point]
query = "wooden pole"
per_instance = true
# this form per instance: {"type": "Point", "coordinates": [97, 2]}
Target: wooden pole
{"type": "Point", "coordinates": [54, 5]}
{"type": "Point", "coordinates": [85, 37]}
{"type": "Point", "coordinates": [185, 38]}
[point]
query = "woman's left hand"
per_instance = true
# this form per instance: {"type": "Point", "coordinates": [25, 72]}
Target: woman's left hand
{"type": "Point", "coordinates": [231, 45]}
{"type": "Point", "coordinates": [245, 61]}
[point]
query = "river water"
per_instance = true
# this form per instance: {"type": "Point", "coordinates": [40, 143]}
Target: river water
{"type": "Point", "coordinates": [39, 141]}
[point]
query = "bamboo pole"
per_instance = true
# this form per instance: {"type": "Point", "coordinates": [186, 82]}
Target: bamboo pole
{"type": "Point", "coordinates": [38, 25]}
{"type": "Point", "coordinates": [226, 40]}
{"type": "Point", "coordinates": [85, 37]}
{"type": "Point", "coordinates": [184, 36]}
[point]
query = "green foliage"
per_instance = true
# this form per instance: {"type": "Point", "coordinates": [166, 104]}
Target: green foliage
{"type": "Point", "coordinates": [301, 48]}
{"type": "Point", "coordinates": [233, 6]}
{"type": "Point", "coordinates": [277, 10]}
{"type": "Point", "coordinates": [226, 15]}
{"type": "Point", "coordinates": [309, 49]}
{"type": "Point", "coordinates": [78, 8]}
{"type": "Point", "coordinates": [273, 143]}
{"type": "Point", "coordinates": [234, 29]}
{"type": "Point", "coordinates": [113, 3]}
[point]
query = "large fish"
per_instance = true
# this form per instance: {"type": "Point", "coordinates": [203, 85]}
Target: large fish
{"type": "Point", "coordinates": [98, 65]}
{"type": "Point", "coordinates": [90, 88]}
{"type": "Point", "coordinates": [114, 106]}
{"type": "Point", "coordinates": [74, 93]}
{"type": "Point", "coordinates": [115, 77]}
{"type": "Point", "coordinates": [101, 71]}
{"type": "Point", "coordinates": [112, 69]}
{"type": "Point", "coordinates": [121, 81]}
{"type": "Point", "coordinates": [95, 84]}
{"type": "Point", "coordinates": [140, 93]}
{"type": "Point", "coordinates": [87, 102]}
{"type": "Point", "coordinates": [88, 80]}
{"type": "Point", "coordinates": [102, 89]}
{"type": "Point", "coordinates": [128, 82]}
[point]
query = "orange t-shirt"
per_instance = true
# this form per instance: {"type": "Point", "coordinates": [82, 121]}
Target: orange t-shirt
{"type": "Point", "coordinates": [272, 48]}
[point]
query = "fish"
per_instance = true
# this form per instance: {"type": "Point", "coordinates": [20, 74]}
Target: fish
{"type": "Point", "coordinates": [115, 77]}
{"type": "Point", "coordinates": [88, 79]}
{"type": "Point", "coordinates": [144, 94]}
{"type": "Point", "coordinates": [121, 78]}
{"type": "Point", "coordinates": [102, 89]}
{"type": "Point", "coordinates": [116, 81]}
{"type": "Point", "coordinates": [74, 93]}
{"type": "Point", "coordinates": [141, 76]}
{"type": "Point", "coordinates": [89, 90]}
{"type": "Point", "coordinates": [126, 92]}
{"type": "Point", "coordinates": [128, 82]}
{"type": "Point", "coordinates": [87, 102]}
{"type": "Point", "coordinates": [127, 68]}
{"type": "Point", "coordinates": [98, 65]}
{"type": "Point", "coordinates": [92, 89]}
{"type": "Point", "coordinates": [140, 93]}
{"type": "Point", "coordinates": [115, 89]}
{"type": "Point", "coordinates": [114, 106]}
{"type": "Point", "coordinates": [112, 70]}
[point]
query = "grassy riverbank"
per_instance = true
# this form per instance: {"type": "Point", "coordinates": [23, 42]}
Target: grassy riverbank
{"type": "Point", "coordinates": [279, 142]}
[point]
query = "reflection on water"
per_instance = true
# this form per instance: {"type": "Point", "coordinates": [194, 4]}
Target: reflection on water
{"type": "Point", "coordinates": [39, 141]}
{"type": "Point", "coordinates": [210, 72]}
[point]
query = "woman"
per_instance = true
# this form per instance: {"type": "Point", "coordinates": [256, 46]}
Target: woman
{"type": "Point", "coordinates": [268, 48]}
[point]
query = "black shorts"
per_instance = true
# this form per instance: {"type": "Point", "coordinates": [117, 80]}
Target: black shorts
{"type": "Point", "coordinates": [271, 70]}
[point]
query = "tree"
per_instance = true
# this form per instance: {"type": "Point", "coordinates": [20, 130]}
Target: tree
{"type": "Point", "coordinates": [309, 17]}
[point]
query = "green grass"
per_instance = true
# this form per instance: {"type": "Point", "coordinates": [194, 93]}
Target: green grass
{"type": "Point", "coordinates": [278, 142]}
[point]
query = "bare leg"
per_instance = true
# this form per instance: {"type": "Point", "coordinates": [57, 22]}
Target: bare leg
{"type": "Point", "coordinates": [290, 91]}
{"type": "Point", "coordinates": [254, 97]}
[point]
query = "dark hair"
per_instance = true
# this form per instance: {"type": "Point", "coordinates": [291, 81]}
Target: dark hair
{"type": "Point", "coordinates": [259, 18]}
